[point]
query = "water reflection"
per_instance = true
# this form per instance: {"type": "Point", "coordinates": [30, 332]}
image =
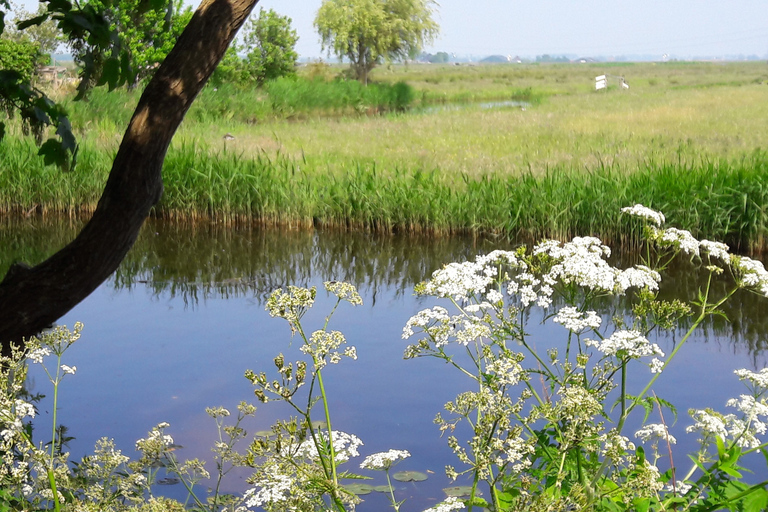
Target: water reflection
{"type": "Point", "coordinates": [206, 261]}
{"type": "Point", "coordinates": [177, 325]}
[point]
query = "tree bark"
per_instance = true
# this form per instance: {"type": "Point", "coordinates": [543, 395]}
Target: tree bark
{"type": "Point", "coordinates": [32, 298]}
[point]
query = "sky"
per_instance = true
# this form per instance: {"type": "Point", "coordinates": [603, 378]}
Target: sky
{"type": "Point", "coordinates": [678, 28]}
{"type": "Point", "coordinates": [583, 28]}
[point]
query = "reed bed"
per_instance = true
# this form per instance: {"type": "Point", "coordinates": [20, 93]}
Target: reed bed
{"type": "Point", "coordinates": [716, 199]}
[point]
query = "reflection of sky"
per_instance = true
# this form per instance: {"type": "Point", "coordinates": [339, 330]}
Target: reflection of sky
{"type": "Point", "coordinates": [145, 358]}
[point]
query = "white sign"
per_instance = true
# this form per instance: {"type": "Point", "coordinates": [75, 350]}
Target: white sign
{"type": "Point", "coordinates": [601, 82]}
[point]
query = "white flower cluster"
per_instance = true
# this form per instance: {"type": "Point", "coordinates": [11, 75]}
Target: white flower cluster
{"type": "Point", "coordinates": [750, 274]}
{"type": "Point", "coordinates": [426, 318]}
{"type": "Point", "coordinates": [471, 279]}
{"type": "Point", "coordinates": [273, 485]}
{"type": "Point", "coordinates": [626, 343]}
{"type": "Point", "coordinates": [156, 443]}
{"type": "Point", "coordinates": [654, 432]}
{"type": "Point", "coordinates": [344, 291]}
{"type": "Point", "coordinates": [577, 321]}
{"type": "Point", "coordinates": [717, 250]}
{"type": "Point", "coordinates": [449, 505]}
{"type": "Point", "coordinates": [323, 347]}
{"type": "Point", "coordinates": [679, 239]}
{"type": "Point", "coordinates": [758, 379]}
{"type": "Point", "coordinates": [344, 446]}
{"type": "Point", "coordinates": [506, 371]}
{"type": "Point", "coordinates": [645, 213]}
{"type": "Point", "coordinates": [743, 431]}
{"type": "Point", "coordinates": [384, 460]}
{"type": "Point", "coordinates": [582, 262]}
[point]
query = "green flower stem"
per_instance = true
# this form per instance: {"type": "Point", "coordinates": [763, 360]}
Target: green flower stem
{"type": "Point", "coordinates": [395, 505]}
{"type": "Point", "coordinates": [51, 476]}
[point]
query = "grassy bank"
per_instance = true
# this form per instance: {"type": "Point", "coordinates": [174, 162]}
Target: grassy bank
{"type": "Point", "coordinates": [716, 199]}
{"type": "Point", "coordinates": [686, 138]}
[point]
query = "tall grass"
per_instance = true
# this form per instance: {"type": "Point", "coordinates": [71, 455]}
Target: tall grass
{"type": "Point", "coordinates": [717, 199]}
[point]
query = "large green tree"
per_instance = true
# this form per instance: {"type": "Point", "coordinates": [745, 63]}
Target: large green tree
{"type": "Point", "coordinates": [32, 298]}
{"type": "Point", "coordinates": [146, 35]}
{"type": "Point", "coordinates": [369, 31]}
{"type": "Point", "coordinates": [270, 43]}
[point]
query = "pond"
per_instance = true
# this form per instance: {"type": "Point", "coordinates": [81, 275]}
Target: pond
{"type": "Point", "coordinates": [175, 328]}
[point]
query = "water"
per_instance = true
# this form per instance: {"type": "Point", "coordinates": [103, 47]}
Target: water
{"type": "Point", "coordinates": [176, 327]}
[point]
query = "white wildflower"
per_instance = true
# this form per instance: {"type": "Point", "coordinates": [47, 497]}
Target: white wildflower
{"type": "Point", "coordinates": [645, 213]}
{"type": "Point", "coordinates": [37, 355]}
{"type": "Point", "coordinates": [68, 369]}
{"type": "Point", "coordinates": [384, 460]}
{"type": "Point", "coordinates": [627, 343]}
{"type": "Point", "coordinates": [450, 504]}
{"type": "Point", "coordinates": [717, 250]}
{"type": "Point", "coordinates": [656, 365]}
{"type": "Point", "coordinates": [577, 321]}
{"type": "Point", "coordinates": [708, 423]}
{"type": "Point", "coordinates": [274, 488]}
{"type": "Point", "coordinates": [459, 281]}
{"type": "Point", "coordinates": [653, 432]}
{"type": "Point", "coordinates": [344, 291]}
{"type": "Point", "coordinates": [750, 273]}
{"type": "Point", "coordinates": [679, 239]}
{"type": "Point", "coordinates": [639, 276]}
{"type": "Point", "coordinates": [758, 379]}
{"type": "Point", "coordinates": [344, 446]}
{"type": "Point", "coordinates": [424, 319]}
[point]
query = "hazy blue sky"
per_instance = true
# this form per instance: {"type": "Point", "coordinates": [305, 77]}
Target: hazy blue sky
{"type": "Point", "coordinates": [681, 28]}
{"type": "Point", "coordinates": [583, 27]}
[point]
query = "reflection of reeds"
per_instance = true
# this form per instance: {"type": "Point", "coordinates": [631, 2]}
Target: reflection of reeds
{"type": "Point", "coordinates": [203, 260]}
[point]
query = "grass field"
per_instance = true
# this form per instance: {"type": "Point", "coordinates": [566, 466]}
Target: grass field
{"type": "Point", "coordinates": [686, 137]}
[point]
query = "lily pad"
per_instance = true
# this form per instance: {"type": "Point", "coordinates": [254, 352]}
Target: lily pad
{"type": "Point", "coordinates": [359, 489]}
{"type": "Point", "coordinates": [460, 490]}
{"type": "Point", "coordinates": [264, 433]}
{"type": "Point", "coordinates": [381, 488]}
{"type": "Point", "coordinates": [168, 481]}
{"type": "Point", "coordinates": [409, 476]}
{"type": "Point", "coordinates": [317, 424]}
{"type": "Point", "coordinates": [173, 447]}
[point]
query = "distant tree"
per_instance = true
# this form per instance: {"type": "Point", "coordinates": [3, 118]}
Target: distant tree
{"type": "Point", "coordinates": [369, 31]}
{"type": "Point", "coordinates": [270, 44]}
{"type": "Point", "coordinates": [20, 56]}
{"type": "Point", "coordinates": [46, 36]}
{"type": "Point", "coordinates": [439, 58]}
{"type": "Point", "coordinates": [147, 35]}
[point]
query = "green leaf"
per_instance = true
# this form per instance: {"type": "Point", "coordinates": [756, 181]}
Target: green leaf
{"type": "Point", "coordinates": [641, 504]}
{"type": "Point", "coordinates": [37, 20]}
{"type": "Point", "coordinates": [720, 448]}
{"type": "Point", "coordinates": [756, 501]}
{"type": "Point", "coordinates": [110, 74]}
{"type": "Point", "coordinates": [359, 489]}
{"type": "Point", "coordinates": [409, 476]}
{"type": "Point", "coordinates": [53, 153]}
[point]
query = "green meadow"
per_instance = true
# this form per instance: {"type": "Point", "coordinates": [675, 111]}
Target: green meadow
{"type": "Point", "coordinates": [514, 150]}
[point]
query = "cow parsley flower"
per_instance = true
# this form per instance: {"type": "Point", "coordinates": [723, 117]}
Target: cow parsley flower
{"type": "Point", "coordinates": [274, 487]}
{"type": "Point", "coordinates": [68, 369]}
{"type": "Point", "coordinates": [449, 505]}
{"type": "Point", "coordinates": [344, 291]}
{"type": "Point", "coordinates": [758, 379]}
{"type": "Point", "coordinates": [384, 460]}
{"type": "Point", "coordinates": [653, 432]}
{"type": "Point", "coordinates": [750, 273]}
{"type": "Point", "coordinates": [645, 213]}
{"type": "Point", "coordinates": [577, 321]}
{"type": "Point", "coordinates": [344, 446]}
{"type": "Point", "coordinates": [626, 343]}
{"type": "Point", "coordinates": [716, 250]}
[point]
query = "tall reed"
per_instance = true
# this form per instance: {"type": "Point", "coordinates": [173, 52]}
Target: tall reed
{"type": "Point", "coordinates": [716, 199]}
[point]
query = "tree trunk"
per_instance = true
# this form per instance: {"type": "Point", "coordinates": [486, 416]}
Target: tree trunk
{"type": "Point", "coordinates": [32, 298]}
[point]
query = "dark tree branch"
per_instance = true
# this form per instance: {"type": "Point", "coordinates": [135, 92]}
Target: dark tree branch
{"type": "Point", "coordinates": [32, 298]}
